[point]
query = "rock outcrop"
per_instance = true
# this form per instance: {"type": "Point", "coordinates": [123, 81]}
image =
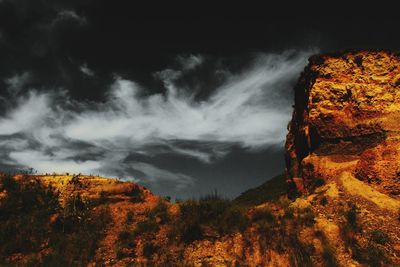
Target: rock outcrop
{"type": "Point", "coordinates": [346, 118]}
{"type": "Point", "coordinates": [343, 153]}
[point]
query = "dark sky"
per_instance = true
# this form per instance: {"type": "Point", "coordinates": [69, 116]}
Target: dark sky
{"type": "Point", "coordinates": [183, 99]}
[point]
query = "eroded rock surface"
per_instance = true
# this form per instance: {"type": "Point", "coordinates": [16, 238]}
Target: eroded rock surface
{"type": "Point", "coordinates": [342, 153]}
{"type": "Point", "coordinates": [347, 114]}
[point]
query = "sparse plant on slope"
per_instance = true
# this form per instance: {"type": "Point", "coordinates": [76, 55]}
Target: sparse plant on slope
{"type": "Point", "coordinates": [78, 230]}
{"type": "Point", "coordinates": [213, 212]}
{"type": "Point", "coordinates": [24, 215]}
{"type": "Point", "coordinates": [160, 211]}
{"type": "Point", "coordinates": [379, 237]}
{"type": "Point", "coordinates": [148, 226]}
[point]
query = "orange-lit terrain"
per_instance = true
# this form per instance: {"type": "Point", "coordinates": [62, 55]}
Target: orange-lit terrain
{"type": "Point", "coordinates": [341, 206]}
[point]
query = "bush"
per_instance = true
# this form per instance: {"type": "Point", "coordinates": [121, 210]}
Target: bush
{"type": "Point", "coordinates": [372, 255]}
{"type": "Point", "coordinates": [317, 182]}
{"type": "Point", "coordinates": [30, 216]}
{"type": "Point", "coordinates": [323, 201]}
{"type": "Point", "coordinates": [265, 231]}
{"type": "Point", "coordinates": [263, 214]}
{"type": "Point", "coordinates": [146, 226]}
{"type": "Point", "coordinates": [191, 232]}
{"type": "Point", "coordinates": [160, 211]}
{"type": "Point", "coordinates": [102, 197]}
{"type": "Point", "coordinates": [129, 217]}
{"type": "Point", "coordinates": [75, 181]}
{"type": "Point", "coordinates": [77, 239]}
{"type": "Point", "coordinates": [307, 217]}
{"type": "Point", "coordinates": [124, 235]}
{"type": "Point", "coordinates": [328, 252]}
{"type": "Point", "coordinates": [379, 237]}
{"type": "Point", "coordinates": [213, 211]}
{"type": "Point", "coordinates": [149, 249]}
{"type": "Point", "coordinates": [301, 254]}
{"type": "Point", "coordinates": [348, 236]}
{"type": "Point", "coordinates": [233, 219]}
{"type": "Point", "coordinates": [289, 213]}
{"type": "Point", "coordinates": [210, 212]}
{"type": "Point", "coordinates": [24, 214]}
{"type": "Point", "coordinates": [136, 194]}
{"type": "Point", "coordinates": [124, 240]}
{"type": "Point", "coordinates": [351, 216]}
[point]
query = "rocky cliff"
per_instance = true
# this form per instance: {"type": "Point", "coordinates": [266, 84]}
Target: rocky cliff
{"type": "Point", "coordinates": [344, 143]}
{"type": "Point", "coordinates": [346, 117]}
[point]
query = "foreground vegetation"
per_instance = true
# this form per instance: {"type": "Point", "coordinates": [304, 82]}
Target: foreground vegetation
{"type": "Point", "coordinates": [124, 224]}
{"type": "Point", "coordinates": [32, 221]}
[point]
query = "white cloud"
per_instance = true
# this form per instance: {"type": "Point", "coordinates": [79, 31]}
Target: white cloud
{"type": "Point", "coordinates": [178, 181]}
{"type": "Point", "coordinates": [66, 14]}
{"type": "Point", "coordinates": [17, 82]}
{"type": "Point", "coordinates": [245, 110]}
{"type": "Point", "coordinates": [85, 70]}
{"type": "Point", "coordinates": [31, 111]}
{"type": "Point", "coordinates": [190, 62]}
{"type": "Point", "coordinates": [251, 110]}
{"type": "Point", "coordinates": [53, 163]}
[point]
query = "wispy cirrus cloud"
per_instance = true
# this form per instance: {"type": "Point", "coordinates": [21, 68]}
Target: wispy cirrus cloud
{"type": "Point", "coordinates": [68, 14]}
{"type": "Point", "coordinates": [86, 70]}
{"type": "Point", "coordinates": [249, 109]}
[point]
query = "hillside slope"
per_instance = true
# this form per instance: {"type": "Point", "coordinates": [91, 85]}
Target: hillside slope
{"type": "Point", "coordinates": [271, 190]}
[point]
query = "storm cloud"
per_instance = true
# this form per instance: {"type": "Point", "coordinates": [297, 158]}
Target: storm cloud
{"type": "Point", "coordinates": [51, 132]}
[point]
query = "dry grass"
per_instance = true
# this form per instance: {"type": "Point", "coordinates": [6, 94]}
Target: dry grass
{"type": "Point", "coordinates": [355, 187]}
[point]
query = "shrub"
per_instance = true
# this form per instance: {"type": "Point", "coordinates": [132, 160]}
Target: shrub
{"type": "Point", "coordinates": [146, 226]}
{"type": "Point", "coordinates": [289, 213]}
{"type": "Point", "coordinates": [129, 217]}
{"type": "Point", "coordinates": [233, 219]}
{"type": "Point", "coordinates": [54, 259]}
{"type": "Point", "coordinates": [191, 232]}
{"type": "Point", "coordinates": [124, 235]}
{"type": "Point", "coordinates": [160, 211]}
{"type": "Point", "coordinates": [210, 211]}
{"type": "Point", "coordinates": [265, 231]}
{"type": "Point", "coordinates": [348, 235]}
{"type": "Point", "coordinates": [24, 214]}
{"type": "Point", "coordinates": [307, 217]}
{"type": "Point", "coordinates": [75, 181]}
{"type": "Point", "coordinates": [317, 182]}
{"type": "Point", "coordinates": [102, 197]}
{"type": "Point", "coordinates": [323, 201]}
{"type": "Point", "coordinates": [372, 255]}
{"type": "Point", "coordinates": [124, 240]}
{"type": "Point", "coordinates": [328, 252]}
{"type": "Point", "coordinates": [136, 194]}
{"type": "Point", "coordinates": [351, 216]}
{"type": "Point", "coordinates": [81, 230]}
{"type": "Point", "coordinates": [30, 216]}
{"type": "Point", "coordinates": [149, 249]}
{"type": "Point", "coordinates": [120, 253]}
{"type": "Point", "coordinates": [264, 214]}
{"type": "Point", "coordinates": [379, 237]}
{"type": "Point", "coordinates": [301, 253]}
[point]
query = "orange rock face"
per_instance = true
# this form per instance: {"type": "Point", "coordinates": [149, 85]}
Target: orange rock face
{"type": "Point", "coordinates": [346, 118]}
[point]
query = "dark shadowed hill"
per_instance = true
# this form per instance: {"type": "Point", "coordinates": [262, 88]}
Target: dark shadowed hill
{"type": "Point", "coordinates": [271, 190]}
